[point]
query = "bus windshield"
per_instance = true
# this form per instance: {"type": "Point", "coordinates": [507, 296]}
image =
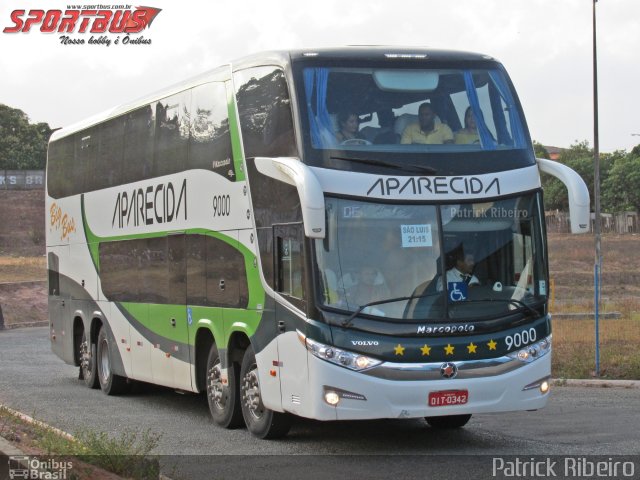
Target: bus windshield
{"type": "Point", "coordinates": [385, 254]}
{"type": "Point", "coordinates": [456, 119]}
{"type": "Point", "coordinates": [411, 110]}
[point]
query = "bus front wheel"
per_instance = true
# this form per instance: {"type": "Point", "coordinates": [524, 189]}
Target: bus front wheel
{"type": "Point", "coordinates": [260, 421]}
{"type": "Point", "coordinates": [448, 422]}
{"type": "Point", "coordinates": [110, 383]}
{"type": "Point", "coordinates": [223, 396]}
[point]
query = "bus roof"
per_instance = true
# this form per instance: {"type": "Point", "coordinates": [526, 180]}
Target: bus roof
{"type": "Point", "coordinates": [277, 57]}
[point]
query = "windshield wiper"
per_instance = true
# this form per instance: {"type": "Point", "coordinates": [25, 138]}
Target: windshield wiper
{"type": "Point", "coordinates": [348, 321]}
{"type": "Point", "coordinates": [382, 163]}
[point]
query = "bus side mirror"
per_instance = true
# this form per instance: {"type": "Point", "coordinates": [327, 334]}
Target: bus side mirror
{"type": "Point", "coordinates": [296, 173]}
{"type": "Point", "coordinates": [579, 204]}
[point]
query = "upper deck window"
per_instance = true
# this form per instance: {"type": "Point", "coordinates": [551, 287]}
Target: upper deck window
{"type": "Point", "coordinates": [410, 116]}
{"type": "Point", "coordinates": [411, 110]}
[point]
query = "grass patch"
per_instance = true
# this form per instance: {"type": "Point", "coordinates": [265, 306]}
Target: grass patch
{"type": "Point", "coordinates": [574, 348]}
{"type": "Point", "coordinates": [23, 269]}
{"type": "Point", "coordinates": [127, 454]}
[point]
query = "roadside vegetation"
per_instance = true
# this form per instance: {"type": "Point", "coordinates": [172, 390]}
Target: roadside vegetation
{"type": "Point", "coordinates": [128, 454]}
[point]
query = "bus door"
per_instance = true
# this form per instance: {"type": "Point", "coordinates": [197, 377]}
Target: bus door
{"type": "Point", "coordinates": [170, 355]}
{"type": "Point", "coordinates": [291, 285]}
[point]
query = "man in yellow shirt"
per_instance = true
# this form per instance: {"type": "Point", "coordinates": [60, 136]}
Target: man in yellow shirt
{"type": "Point", "coordinates": [427, 131]}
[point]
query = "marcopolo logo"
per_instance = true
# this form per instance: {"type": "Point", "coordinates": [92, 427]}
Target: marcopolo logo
{"type": "Point", "coordinates": [119, 21]}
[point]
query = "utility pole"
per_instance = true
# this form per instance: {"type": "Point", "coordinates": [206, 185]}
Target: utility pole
{"type": "Point", "coordinates": [596, 194]}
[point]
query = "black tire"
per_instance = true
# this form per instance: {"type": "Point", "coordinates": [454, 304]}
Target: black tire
{"type": "Point", "coordinates": [224, 400]}
{"type": "Point", "coordinates": [110, 383]}
{"type": "Point", "coordinates": [260, 421]}
{"type": "Point", "coordinates": [87, 358]}
{"type": "Point", "coordinates": [448, 422]}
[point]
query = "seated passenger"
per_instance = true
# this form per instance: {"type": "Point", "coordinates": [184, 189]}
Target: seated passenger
{"type": "Point", "coordinates": [386, 135]}
{"type": "Point", "coordinates": [348, 127]}
{"type": "Point", "coordinates": [370, 288]}
{"type": "Point", "coordinates": [427, 131]}
{"type": "Point", "coordinates": [468, 134]}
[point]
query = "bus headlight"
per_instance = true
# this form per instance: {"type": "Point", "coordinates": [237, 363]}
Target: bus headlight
{"type": "Point", "coordinates": [344, 358]}
{"type": "Point", "coordinates": [534, 351]}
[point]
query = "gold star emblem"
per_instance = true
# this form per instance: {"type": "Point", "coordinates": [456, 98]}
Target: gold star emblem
{"type": "Point", "coordinates": [449, 349]}
{"type": "Point", "coordinates": [492, 345]}
{"type": "Point", "coordinates": [426, 350]}
{"type": "Point", "coordinates": [472, 348]}
{"type": "Point", "coordinates": [399, 349]}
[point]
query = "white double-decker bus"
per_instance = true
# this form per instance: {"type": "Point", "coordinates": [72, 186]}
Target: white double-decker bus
{"type": "Point", "coordinates": [338, 234]}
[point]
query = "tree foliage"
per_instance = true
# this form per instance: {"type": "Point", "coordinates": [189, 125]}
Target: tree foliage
{"type": "Point", "coordinates": [619, 178]}
{"type": "Point", "coordinates": [23, 145]}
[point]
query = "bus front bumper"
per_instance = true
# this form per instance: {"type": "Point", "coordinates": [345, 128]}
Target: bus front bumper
{"type": "Point", "coordinates": [362, 395]}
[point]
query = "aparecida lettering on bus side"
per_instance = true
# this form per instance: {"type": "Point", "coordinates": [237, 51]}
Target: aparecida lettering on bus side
{"type": "Point", "coordinates": [148, 205]}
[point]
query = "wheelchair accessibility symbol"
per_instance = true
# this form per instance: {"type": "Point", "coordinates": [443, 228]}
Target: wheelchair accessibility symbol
{"type": "Point", "coordinates": [457, 291]}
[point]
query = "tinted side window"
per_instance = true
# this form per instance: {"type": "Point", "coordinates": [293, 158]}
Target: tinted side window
{"type": "Point", "coordinates": [172, 134]}
{"type": "Point", "coordinates": [264, 107]}
{"type": "Point", "coordinates": [210, 142]}
{"type": "Point", "coordinates": [86, 151]}
{"type": "Point", "coordinates": [135, 270]}
{"type": "Point", "coordinates": [60, 167]}
{"type": "Point", "coordinates": [216, 273]}
{"type": "Point", "coordinates": [108, 169]}
{"type": "Point", "coordinates": [138, 144]}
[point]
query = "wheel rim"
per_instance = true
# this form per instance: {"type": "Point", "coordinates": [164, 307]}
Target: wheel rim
{"type": "Point", "coordinates": [215, 388]}
{"type": "Point", "coordinates": [85, 357]}
{"type": "Point", "coordinates": [105, 367]}
{"type": "Point", "coordinates": [251, 393]}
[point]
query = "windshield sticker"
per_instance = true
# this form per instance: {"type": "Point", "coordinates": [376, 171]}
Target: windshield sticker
{"type": "Point", "coordinates": [542, 286]}
{"type": "Point", "coordinates": [457, 291]}
{"type": "Point", "coordinates": [416, 236]}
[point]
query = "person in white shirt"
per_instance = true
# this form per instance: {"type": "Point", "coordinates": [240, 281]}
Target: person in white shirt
{"type": "Point", "coordinates": [462, 271]}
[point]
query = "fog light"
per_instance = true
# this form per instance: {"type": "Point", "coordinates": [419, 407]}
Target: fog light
{"type": "Point", "coordinates": [362, 362]}
{"type": "Point", "coordinates": [544, 387]}
{"type": "Point", "coordinates": [332, 398]}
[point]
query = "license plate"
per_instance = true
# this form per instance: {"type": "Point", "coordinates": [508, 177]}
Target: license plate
{"type": "Point", "coordinates": [446, 398]}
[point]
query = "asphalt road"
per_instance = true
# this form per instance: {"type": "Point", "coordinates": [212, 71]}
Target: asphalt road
{"type": "Point", "coordinates": [577, 422]}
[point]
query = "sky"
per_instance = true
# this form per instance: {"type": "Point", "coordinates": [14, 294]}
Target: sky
{"type": "Point", "coordinates": [545, 45]}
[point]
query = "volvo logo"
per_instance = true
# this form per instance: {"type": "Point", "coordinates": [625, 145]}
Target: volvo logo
{"type": "Point", "coordinates": [448, 370]}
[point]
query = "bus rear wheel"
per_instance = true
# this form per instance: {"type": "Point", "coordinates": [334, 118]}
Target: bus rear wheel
{"type": "Point", "coordinates": [260, 421]}
{"type": "Point", "coordinates": [223, 397]}
{"type": "Point", "coordinates": [87, 357]}
{"type": "Point", "coordinates": [110, 383]}
{"type": "Point", "coordinates": [448, 422]}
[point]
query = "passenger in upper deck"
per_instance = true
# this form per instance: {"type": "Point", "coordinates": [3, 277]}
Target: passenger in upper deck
{"type": "Point", "coordinates": [468, 134]}
{"type": "Point", "coordinates": [427, 131]}
{"type": "Point", "coordinates": [348, 127]}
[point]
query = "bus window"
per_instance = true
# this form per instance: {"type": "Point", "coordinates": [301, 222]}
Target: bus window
{"type": "Point", "coordinates": [172, 134]}
{"type": "Point", "coordinates": [290, 278]}
{"type": "Point", "coordinates": [108, 169]}
{"type": "Point", "coordinates": [210, 142]}
{"type": "Point", "coordinates": [138, 145]}
{"type": "Point", "coordinates": [265, 112]}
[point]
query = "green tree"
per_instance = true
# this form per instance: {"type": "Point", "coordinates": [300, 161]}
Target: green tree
{"type": "Point", "coordinates": [23, 145]}
{"type": "Point", "coordinates": [621, 189]}
{"type": "Point", "coordinates": [579, 157]}
{"type": "Point", "coordinates": [539, 150]}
